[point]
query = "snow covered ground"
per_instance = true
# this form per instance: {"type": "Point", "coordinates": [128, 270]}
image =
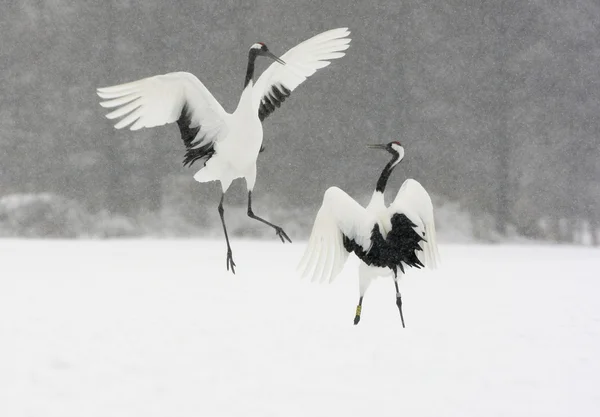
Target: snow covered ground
{"type": "Point", "coordinates": [159, 328]}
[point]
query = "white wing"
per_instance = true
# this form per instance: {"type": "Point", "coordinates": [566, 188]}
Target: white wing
{"type": "Point", "coordinates": [339, 215]}
{"type": "Point", "coordinates": [415, 203]}
{"type": "Point", "coordinates": [303, 60]}
{"type": "Point", "coordinates": [162, 99]}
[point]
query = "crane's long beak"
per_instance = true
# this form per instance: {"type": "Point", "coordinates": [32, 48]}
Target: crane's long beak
{"type": "Point", "coordinates": [377, 146]}
{"type": "Point", "coordinates": [274, 57]}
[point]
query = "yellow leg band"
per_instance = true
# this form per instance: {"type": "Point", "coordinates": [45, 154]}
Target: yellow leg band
{"type": "Point", "coordinates": [358, 309]}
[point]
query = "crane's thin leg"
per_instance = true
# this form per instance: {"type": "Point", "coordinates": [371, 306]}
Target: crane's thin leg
{"type": "Point", "coordinates": [278, 229]}
{"type": "Point", "coordinates": [399, 302]}
{"type": "Point", "coordinates": [358, 311]}
{"type": "Point", "coordinates": [229, 254]}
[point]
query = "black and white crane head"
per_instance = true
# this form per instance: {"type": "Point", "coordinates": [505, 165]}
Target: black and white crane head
{"type": "Point", "coordinates": [395, 148]}
{"type": "Point", "coordinates": [386, 239]}
{"type": "Point", "coordinates": [261, 49]}
{"type": "Point", "coordinates": [225, 144]}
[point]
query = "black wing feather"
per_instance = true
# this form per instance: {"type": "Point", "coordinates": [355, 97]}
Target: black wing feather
{"type": "Point", "coordinates": [272, 100]}
{"type": "Point", "coordinates": [189, 135]}
{"type": "Point", "coordinates": [404, 241]}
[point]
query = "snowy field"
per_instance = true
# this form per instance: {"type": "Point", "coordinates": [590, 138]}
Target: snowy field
{"type": "Point", "coordinates": [159, 328]}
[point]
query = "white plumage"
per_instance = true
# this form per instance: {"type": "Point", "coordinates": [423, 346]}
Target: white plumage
{"type": "Point", "coordinates": [384, 238]}
{"type": "Point", "coordinates": [227, 144]}
{"type": "Point", "coordinates": [158, 100]}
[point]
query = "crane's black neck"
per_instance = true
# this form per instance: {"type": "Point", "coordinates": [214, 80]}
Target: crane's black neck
{"type": "Point", "coordinates": [250, 70]}
{"type": "Point", "coordinates": [385, 174]}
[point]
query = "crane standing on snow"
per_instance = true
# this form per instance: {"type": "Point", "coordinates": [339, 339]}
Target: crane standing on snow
{"type": "Point", "coordinates": [226, 144]}
{"type": "Point", "coordinates": [384, 238]}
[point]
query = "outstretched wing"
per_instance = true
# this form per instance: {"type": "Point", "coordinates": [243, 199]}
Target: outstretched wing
{"type": "Point", "coordinates": [303, 60]}
{"type": "Point", "coordinates": [175, 97]}
{"type": "Point", "coordinates": [412, 210]}
{"type": "Point", "coordinates": [340, 215]}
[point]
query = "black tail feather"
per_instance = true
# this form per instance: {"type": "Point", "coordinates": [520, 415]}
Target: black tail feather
{"type": "Point", "coordinates": [397, 250]}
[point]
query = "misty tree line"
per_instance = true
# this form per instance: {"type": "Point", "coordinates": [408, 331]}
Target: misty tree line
{"type": "Point", "coordinates": [495, 101]}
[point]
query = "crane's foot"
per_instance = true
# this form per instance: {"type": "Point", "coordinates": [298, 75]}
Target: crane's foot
{"type": "Point", "coordinates": [357, 317]}
{"type": "Point", "coordinates": [282, 235]}
{"type": "Point", "coordinates": [230, 262]}
{"type": "Point", "coordinates": [399, 304]}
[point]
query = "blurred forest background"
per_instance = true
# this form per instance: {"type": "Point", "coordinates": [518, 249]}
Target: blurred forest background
{"type": "Point", "coordinates": [497, 103]}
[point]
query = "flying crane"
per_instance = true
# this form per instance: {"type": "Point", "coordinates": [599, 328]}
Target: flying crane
{"type": "Point", "coordinates": [225, 144]}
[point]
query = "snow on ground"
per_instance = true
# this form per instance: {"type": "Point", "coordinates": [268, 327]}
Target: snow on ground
{"type": "Point", "coordinates": [159, 328]}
